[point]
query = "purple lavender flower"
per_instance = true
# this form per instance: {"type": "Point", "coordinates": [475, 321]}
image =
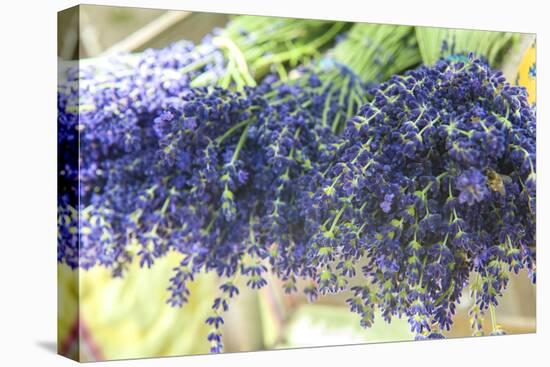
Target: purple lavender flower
{"type": "Point", "coordinates": [472, 186]}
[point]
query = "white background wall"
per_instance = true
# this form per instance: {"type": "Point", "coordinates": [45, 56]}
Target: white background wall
{"type": "Point", "coordinates": [28, 179]}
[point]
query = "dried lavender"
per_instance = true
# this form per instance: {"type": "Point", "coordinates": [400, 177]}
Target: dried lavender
{"type": "Point", "coordinates": [432, 180]}
{"type": "Point", "coordinates": [221, 185]}
{"type": "Point", "coordinates": [435, 179]}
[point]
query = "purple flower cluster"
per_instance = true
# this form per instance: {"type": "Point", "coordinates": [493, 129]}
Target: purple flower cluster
{"type": "Point", "coordinates": [434, 179]}
{"type": "Point", "coordinates": [106, 134]}
{"type": "Point", "coordinates": [214, 177]}
{"type": "Point", "coordinates": [238, 162]}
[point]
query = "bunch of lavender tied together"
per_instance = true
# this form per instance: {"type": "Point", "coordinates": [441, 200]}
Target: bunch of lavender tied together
{"type": "Point", "coordinates": [105, 124]}
{"type": "Point", "coordinates": [217, 181]}
{"type": "Point", "coordinates": [107, 107]}
{"type": "Point", "coordinates": [433, 180]}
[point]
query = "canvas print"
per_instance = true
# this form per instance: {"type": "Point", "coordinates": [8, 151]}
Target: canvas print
{"type": "Point", "coordinates": [231, 183]}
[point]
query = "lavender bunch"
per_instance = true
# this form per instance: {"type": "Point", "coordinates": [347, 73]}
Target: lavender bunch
{"type": "Point", "coordinates": [105, 114]}
{"type": "Point", "coordinates": [246, 174]}
{"type": "Point", "coordinates": [216, 179]}
{"type": "Point", "coordinates": [435, 179]}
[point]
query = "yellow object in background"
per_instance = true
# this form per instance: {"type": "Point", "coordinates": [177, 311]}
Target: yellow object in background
{"type": "Point", "coordinates": [527, 72]}
{"type": "Point", "coordinates": [128, 317]}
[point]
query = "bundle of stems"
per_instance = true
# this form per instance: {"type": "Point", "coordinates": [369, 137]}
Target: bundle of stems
{"type": "Point", "coordinates": [377, 51]}
{"type": "Point", "coordinates": [435, 43]}
{"type": "Point", "coordinates": [254, 46]}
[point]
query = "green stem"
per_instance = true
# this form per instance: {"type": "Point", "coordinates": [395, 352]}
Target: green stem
{"type": "Point", "coordinates": [229, 132]}
{"type": "Point", "coordinates": [240, 144]}
{"type": "Point", "coordinates": [493, 317]}
{"type": "Point", "coordinates": [196, 65]}
{"type": "Point", "coordinates": [337, 218]}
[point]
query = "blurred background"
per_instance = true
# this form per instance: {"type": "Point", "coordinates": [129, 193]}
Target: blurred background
{"type": "Point", "coordinates": [101, 317]}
